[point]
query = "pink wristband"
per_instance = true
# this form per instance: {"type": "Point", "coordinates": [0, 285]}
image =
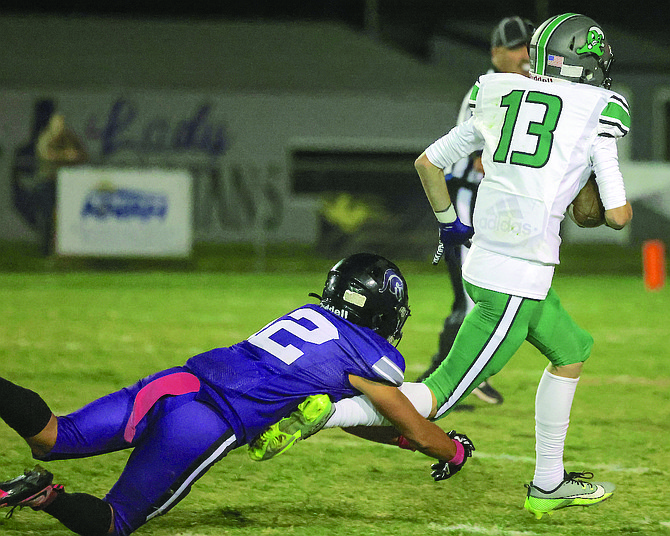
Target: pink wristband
{"type": "Point", "coordinates": [460, 453]}
{"type": "Point", "coordinates": [404, 443]}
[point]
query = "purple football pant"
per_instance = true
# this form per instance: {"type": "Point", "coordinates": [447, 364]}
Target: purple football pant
{"type": "Point", "coordinates": [175, 440]}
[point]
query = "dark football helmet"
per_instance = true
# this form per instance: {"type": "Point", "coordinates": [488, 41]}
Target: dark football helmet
{"type": "Point", "coordinates": [571, 47]}
{"type": "Point", "coordinates": [369, 291]}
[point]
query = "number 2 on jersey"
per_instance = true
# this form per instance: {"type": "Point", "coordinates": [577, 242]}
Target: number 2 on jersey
{"type": "Point", "coordinates": [323, 332]}
{"type": "Point", "coordinates": [544, 130]}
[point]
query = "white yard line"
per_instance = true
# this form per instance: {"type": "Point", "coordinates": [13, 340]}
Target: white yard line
{"type": "Point", "coordinates": [576, 465]}
{"type": "Point", "coordinates": [478, 529]}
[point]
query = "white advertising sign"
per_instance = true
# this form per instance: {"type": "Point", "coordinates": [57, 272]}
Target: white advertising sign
{"type": "Point", "coordinates": [119, 212]}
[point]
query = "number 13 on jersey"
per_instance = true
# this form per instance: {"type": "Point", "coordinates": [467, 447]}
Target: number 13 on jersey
{"type": "Point", "coordinates": [518, 102]}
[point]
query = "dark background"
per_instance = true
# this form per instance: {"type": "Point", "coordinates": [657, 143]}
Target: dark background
{"type": "Point", "coordinates": [640, 16]}
{"type": "Point", "coordinates": [407, 25]}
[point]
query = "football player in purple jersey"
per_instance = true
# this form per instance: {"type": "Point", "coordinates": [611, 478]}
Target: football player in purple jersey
{"type": "Point", "coordinates": [181, 421]}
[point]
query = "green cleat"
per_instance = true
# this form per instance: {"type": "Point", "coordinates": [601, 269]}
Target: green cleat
{"type": "Point", "coordinates": [305, 421]}
{"type": "Point", "coordinates": [570, 492]}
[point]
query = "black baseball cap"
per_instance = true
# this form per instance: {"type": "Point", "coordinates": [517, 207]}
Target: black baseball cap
{"type": "Point", "coordinates": [512, 32]}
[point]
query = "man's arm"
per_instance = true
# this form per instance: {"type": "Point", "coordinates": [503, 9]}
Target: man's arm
{"type": "Point", "coordinates": [618, 211]}
{"type": "Point", "coordinates": [437, 159]}
{"type": "Point", "coordinates": [452, 232]}
{"type": "Point", "coordinates": [422, 434]}
{"type": "Point", "coordinates": [432, 179]}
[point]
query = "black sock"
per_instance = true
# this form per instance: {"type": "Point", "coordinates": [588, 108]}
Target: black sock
{"type": "Point", "coordinates": [23, 409]}
{"type": "Point", "coordinates": [81, 513]}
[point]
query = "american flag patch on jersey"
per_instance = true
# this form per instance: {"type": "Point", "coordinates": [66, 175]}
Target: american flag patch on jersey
{"type": "Point", "coordinates": [556, 61]}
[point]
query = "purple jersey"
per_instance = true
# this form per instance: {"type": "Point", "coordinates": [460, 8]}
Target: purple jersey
{"type": "Point", "coordinates": [306, 352]}
{"type": "Point", "coordinates": [183, 420]}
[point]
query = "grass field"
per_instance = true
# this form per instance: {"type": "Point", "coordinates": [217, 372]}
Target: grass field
{"type": "Point", "coordinates": [76, 335]}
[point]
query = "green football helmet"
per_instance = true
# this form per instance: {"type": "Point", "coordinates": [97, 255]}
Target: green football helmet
{"type": "Point", "coordinates": [571, 47]}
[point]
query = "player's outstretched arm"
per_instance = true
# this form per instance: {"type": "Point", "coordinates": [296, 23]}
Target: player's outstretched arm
{"type": "Point", "coordinates": [421, 434]}
{"type": "Point", "coordinates": [379, 434]}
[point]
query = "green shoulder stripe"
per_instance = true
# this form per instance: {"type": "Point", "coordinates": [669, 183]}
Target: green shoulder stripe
{"type": "Point", "coordinates": [616, 112]}
{"type": "Point", "coordinates": [473, 95]}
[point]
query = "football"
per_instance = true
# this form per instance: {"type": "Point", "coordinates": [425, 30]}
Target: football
{"type": "Point", "coordinates": [587, 210]}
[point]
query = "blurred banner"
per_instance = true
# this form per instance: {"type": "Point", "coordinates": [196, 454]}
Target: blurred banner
{"type": "Point", "coordinates": [239, 149]}
{"type": "Point", "coordinates": [124, 212]}
{"type": "Point", "coordinates": [332, 170]}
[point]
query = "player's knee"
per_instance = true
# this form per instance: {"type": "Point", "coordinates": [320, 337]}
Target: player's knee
{"type": "Point", "coordinates": [576, 350]}
{"type": "Point", "coordinates": [42, 443]}
{"type": "Point", "coordinates": [573, 370]}
{"type": "Point", "coordinates": [39, 453]}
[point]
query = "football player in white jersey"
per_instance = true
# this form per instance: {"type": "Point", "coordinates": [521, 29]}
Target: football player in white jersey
{"type": "Point", "coordinates": [509, 54]}
{"type": "Point", "coordinates": [541, 137]}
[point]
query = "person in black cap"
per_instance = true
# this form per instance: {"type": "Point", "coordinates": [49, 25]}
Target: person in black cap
{"type": "Point", "coordinates": [509, 46]}
{"type": "Point", "coordinates": [509, 54]}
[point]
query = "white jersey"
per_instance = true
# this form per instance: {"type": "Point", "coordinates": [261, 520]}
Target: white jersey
{"type": "Point", "coordinates": [540, 142]}
{"type": "Point", "coordinates": [459, 169]}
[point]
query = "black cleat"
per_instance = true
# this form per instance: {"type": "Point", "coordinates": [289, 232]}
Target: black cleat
{"type": "Point", "coordinates": [485, 391]}
{"type": "Point", "coordinates": [34, 488]}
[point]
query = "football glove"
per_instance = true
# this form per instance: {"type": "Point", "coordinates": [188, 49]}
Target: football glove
{"type": "Point", "coordinates": [452, 234]}
{"type": "Point", "coordinates": [444, 469]}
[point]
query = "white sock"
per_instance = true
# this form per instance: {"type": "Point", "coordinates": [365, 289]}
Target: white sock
{"type": "Point", "coordinates": [355, 411]}
{"type": "Point", "coordinates": [359, 411]}
{"type": "Point", "coordinates": [420, 396]}
{"type": "Point", "coordinates": [552, 417]}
